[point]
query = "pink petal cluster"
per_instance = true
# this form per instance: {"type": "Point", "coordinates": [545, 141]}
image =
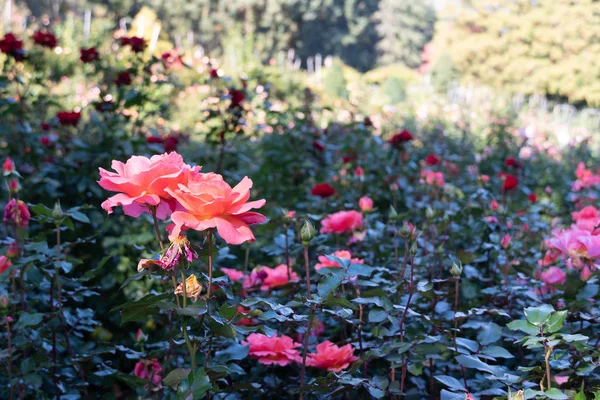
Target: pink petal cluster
{"type": "Point", "coordinates": [433, 178]}
{"type": "Point", "coordinates": [276, 277]}
{"type": "Point", "coordinates": [365, 203]}
{"type": "Point", "coordinates": [587, 219]}
{"type": "Point", "coordinates": [143, 182]}
{"type": "Point", "coordinates": [331, 357]}
{"type": "Point", "coordinates": [586, 178]}
{"type": "Point", "coordinates": [280, 350]}
{"type": "Point", "coordinates": [342, 222]}
{"type": "Point", "coordinates": [233, 274]}
{"type": "Point", "coordinates": [324, 262]}
{"type": "Point", "coordinates": [17, 213]}
{"type": "Point", "coordinates": [554, 276]}
{"type": "Point", "coordinates": [4, 264]}
{"type": "Point", "coordinates": [149, 370]}
{"type": "Point", "coordinates": [209, 202]}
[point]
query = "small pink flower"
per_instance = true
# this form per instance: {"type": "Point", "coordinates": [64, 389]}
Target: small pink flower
{"type": "Point", "coordinates": [554, 276]}
{"type": "Point", "coordinates": [276, 277]}
{"type": "Point", "coordinates": [290, 214]}
{"type": "Point", "coordinates": [490, 219]}
{"type": "Point", "coordinates": [325, 262]}
{"type": "Point", "coordinates": [148, 370]}
{"type": "Point", "coordinates": [9, 166]}
{"type": "Point", "coordinates": [586, 273]}
{"type": "Point", "coordinates": [359, 171]}
{"type": "Point", "coordinates": [233, 274]}
{"type": "Point", "coordinates": [505, 241]}
{"type": "Point", "coordinates": [365, 203]}
{"type": "Point", "coordinates": [494, 205]}
{"type": "Point", "coordinates": [280, 350]}
{"type": "Point", "coordinates": [342, 222]}
{"type": "Point", "coordinates": [331, 357]}
{"type": "Point", "coordinates": [17, 213]}
{"type": "Point", "coordinates": [433, 178]}
{"type": "Point", "coordinates": [4, 264]}
{"type": "Point", "coordinates": [484, 178]}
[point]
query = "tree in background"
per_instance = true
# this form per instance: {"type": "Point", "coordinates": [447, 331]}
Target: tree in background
{"type": "Point", "coordinates": [548, 47]}
{"type": "Point", "coordinates": [405, 26]}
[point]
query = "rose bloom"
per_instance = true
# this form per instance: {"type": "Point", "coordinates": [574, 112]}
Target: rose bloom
{"type": "Point", "coordinates": [532, 197]}
{"type": "Point", "coordinates": [587, 219]}
{"type": "Point", "coordinates": [365, 203]}
{"type": "Point", "coordinates": [89, 55]}
{"type": "Point", "coordinates": [8, 166]}
{"type": "Point", "coordinates": [11, 46]}
{"type": "Point", "coordinates": [13, 250]}
{"type": "Point", "coordinates": [276, 277]}
{"type": "Point", "coordinates": [331, 357]}
{"type": "Point", "coordinates": [45, 39]}
{"type": "Point", "coordinates": [484, 178]}
{"type": "Point", "coordinates": [359, 171]}
{"type": "Point", "coordinates": [401, 138]}
{"type": "Point", "coordinates": [509, 181]}
{"type": "Point", "coordinates": [323, 190]}
{"type": "Point", "coordinates": [17, 213]}
{"type": "Point", "coordinates": [242, 320]}
{"type": "Point", "coordinates": [585, 178]}
{"type": "Point", "coordinates": [143, 182]}
{"type": "Point", "coordinates": [494, 204]}
{"type": "Point", "coordinates": [123, 79]}
{"type": "Point", "coordinates": [280, 350]}
{"type": "Point", "coordinates": [433, 178]}
{"type": "Point", "coordinates": [342, 222]}
{"type": "Point", "coordinates": [68, 117]}
{"type": "Point", "coordinates": [192, 288]}
{"type": "Point", "coordinates": [210, 202]}
{"type": "Point", "coordinates": [432, 159]}
{"type": "Point", "coordinates": [237, 96]}
{"type": "Point", "coordinates": [4, 264]}
{"type": "Point", "coordinates": [554, 276]}
{"type": "Point", "coordinates": [511, 162]}
{"type": "Point", "coordinates": [148, 370]}
{"type": "Point", "coordinates": [325, 262]}
{"type": "Point", "coordinates": [233, 274]}
{"type": "Point", "coordinates": [137, 44]}
{"type": "Point", "coordinates": [505, 241]}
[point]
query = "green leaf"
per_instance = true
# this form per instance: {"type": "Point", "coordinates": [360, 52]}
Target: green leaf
{"type": "Point", "coordinates": [28, 319]}
{"type": "Point", "coordinates": [474, 362]}
{"type": "Point", "coordinates": [329, 284]}
{"type": "Point", "coordinates": [574, 338]}
{"type": "Point", "coordinates": [79, 216]}
{"type": "Point", "coordinates": [538, 315]}
{"type": "Point", "coordinates": [556, 321]}
{"type": "Point", "coordinates": [134, 277]}
{"type": "Point", "coordinates": [377, 315]}
{"type": "Point", "coordinates": [524, 326]}
{"type": "Point", "coordinates": [555, 394]}
{"type": "Point", "coordinates": [199, 383]}
{"type": "Point", "coordinates": [360, 269]}
{"type": "Point", "coordinates": [139, 309]}
{"type": "Point", "coordinates": [220, 329]}
{"type": "Point", "coordinates": [489, 333]}
{"type": "Point", "coordinates": [175, 377]}
{"type": "Point", "coordinates": [236, 351]}
{"type": "Point", "coordinates": [424, 286]}
{"type": "Point", "coordinates": [451, 382]}
{"type": "Point", "coordinates": [497, 351]}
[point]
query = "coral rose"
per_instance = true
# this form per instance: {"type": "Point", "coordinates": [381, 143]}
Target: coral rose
{"type": "Point", "coordinates": [280, 350]}
{"type": "Point", "coordinates": [331, 357]}
{"type": "Point", "coordinates": [365, 203]}
{"type": "Point", "coordinates": [325, 262]}
{"type": "Point", "coordinates": [554, 276]}
{"type": "Point", "coordinates": [143, 182]}
{"type": "Point", "coordinates": [210, 202]}
{"type": "Point", "coordinates": [276, 277]}
{"type": "Point", "coordinates": [342, 222]}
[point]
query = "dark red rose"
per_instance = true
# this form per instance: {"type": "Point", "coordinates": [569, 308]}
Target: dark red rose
{"type": "Point", "coordinates": [401, 138]}
{"type": "Point", "coordinates": [237, 96]}
{"type": "Point", "coordinates": [68, 117]}
{"type": "Point", "coordinates": [45, 39]}
{"type": "Point", "coordinates": [170, 143]}
{"type": "Point", "coordinates": [45, 126]}
{"type": "Point", "coordinates": [45, 140]}
{"type": "Point", "coordinates": [11, 46]}
{"type": "Point", "coordinates": [348, 158]}
{"type": "Point", "coordinates": [323, 190]}
{"type": "Point", "coordinates": [137, 44]}
{"type": "Point", "coordinates": [432, 159]}
{"type": "Point", "coordinates": [123, 79]}
{"type": "Point", "coordinates": [318, 145]}
{"type": "Point", "coordinates": [532, 198]}
{"type": "Point", "coordinates": [367, 121]}
{"type": "Point", "coordinates": [214, 73]}
{"type": "Point", "coordinates": [89, 55]}
{"type": "Point", "coordinates": [511, 162]}
{"type": "Point", "coordinates": [509, 181]}
{"type": "Point", "coordinates": [154, 139]}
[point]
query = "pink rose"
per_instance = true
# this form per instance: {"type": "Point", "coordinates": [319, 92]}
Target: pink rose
{"type": "Point", "coordinates": [342, 222]}
{"type": "Point", "coordinates": [280, 350]}
{"type": "Point", "coordinates": [365, 203]}
{"type": "Point", "coordinates": [331, 357]}
{"type": "Point", "coordinates": [554, 276]}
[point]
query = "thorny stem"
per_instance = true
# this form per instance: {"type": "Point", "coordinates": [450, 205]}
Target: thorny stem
{"type": "Point", "coordinates": [210, 266]}
{"type": "Point", "coordinates": [310, 322]}
{"type": "Point", "coordinates": [190, 346]}
{"type": "Point", "coordinates": [359, 328]}
{"type": "Point", "coordinates": [456, 295]}
{"type": "Point", "coordinates": [9, 356]}
{"type": "Point", "coordinates": [547, 353]}
{"type": "Point", "coordinates": [401, 325]}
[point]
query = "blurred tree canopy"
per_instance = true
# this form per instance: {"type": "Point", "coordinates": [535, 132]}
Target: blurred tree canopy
{"type": "Point", "coordinates": [549, 47]}
{"type": "Point", "coordinates": [348, 29]}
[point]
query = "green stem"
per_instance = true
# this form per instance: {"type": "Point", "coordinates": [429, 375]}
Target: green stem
{"type": "Point", "coordinates": [310, 322]}
{"type": "Point", "coordinates": [188, 342]}
{"type": "Point", "coordinates": [209, 290]}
